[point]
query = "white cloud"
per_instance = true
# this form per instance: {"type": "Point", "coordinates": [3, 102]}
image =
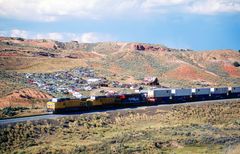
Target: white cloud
{"type": "Point", "coordinates": [165, 6]}
{"type": "Point", "coordinates": [52, 36]}
{"type": "Point", "coordinates": [19, 33]}
{"type": "Point", "coordinates": [92, 37]}
{"type": "Point", "coordinates": [156, 3]}
{"type": "Point", "coordinates": [52, 10]}
{"type": "Point", "coordinates": [88, 37]}
{"type": "Point", "coordinates": [3, 33]}
{"type": "Point", "coordinates": [215, 6]}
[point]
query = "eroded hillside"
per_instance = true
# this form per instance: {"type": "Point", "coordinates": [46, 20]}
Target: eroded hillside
{"type": "Point", "coordinates": [129, 62]}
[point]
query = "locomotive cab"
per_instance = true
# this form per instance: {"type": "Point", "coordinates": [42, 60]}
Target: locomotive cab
{"type": "Point", "coordinates": [50, 106]}
{"type": "Point", "coordinates": [56, 104]}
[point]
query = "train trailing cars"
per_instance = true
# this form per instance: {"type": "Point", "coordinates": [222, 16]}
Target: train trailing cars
{"type": "Point", "coordinates": [181, 95]}
{"type": "Point", "coordinates": [149, 97]}
{"type": "Point", "coordinates": [161, 96]}
{"type": "Point", "coordinates": [200, 94]}
{"type": "Point", "coordinates": [219, 93]}
{"type": "Point", "coordinates": [234, 92]}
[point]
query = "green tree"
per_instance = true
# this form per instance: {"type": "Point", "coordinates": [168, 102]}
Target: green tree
{"type": "Point", "coordinates": [236, 64]}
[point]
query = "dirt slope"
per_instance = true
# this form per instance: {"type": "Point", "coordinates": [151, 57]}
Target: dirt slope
{"type": "Point", "coordinates": [135, 60]}
{"type": "Point", "coordinates": [25, 97]}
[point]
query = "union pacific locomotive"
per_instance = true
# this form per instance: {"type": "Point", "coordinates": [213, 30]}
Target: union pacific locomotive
{"type": "Point", "coordinates": [150, 97]}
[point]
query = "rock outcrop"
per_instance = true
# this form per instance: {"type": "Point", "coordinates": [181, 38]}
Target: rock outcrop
{"type": "Point", "coordinates": [146, 47]}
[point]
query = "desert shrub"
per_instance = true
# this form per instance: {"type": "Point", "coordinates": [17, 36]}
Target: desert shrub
{"type": "Point", "coordinates": [215, 68]}
{"type": "Point", "coordinates": [79, 149]}
{"type": "Point", "coordinates": [181, 126]}
{"type": "Point", "coordinates": [11, 111]}
{"type": "Point", "coordinates": [23, 135]}
{"type": "Point", "coordinates": [20, 39]}
{"type": "Point", "coordinates": [236, 64]}
{"type": "Point", "coordinates": [191, 141]}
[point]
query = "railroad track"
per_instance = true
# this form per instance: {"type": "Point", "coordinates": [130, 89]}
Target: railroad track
{"type": "Point", "coordinates": [54, 116]}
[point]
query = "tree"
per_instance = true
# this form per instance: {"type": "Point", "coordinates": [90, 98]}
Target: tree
{"type": "Point", "coordinates": [236, 64]}
{"type": "Point", "coordinates": [20, 39]}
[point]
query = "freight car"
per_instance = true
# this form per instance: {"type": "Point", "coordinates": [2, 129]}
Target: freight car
{"type": "Point", "coordinates": [159, 96]}
{"type": "Point", "coordinates": [200, 94]}
{"type": "Point", "coordinates": [234, 92]}
{"type": "Point", "coordinates": [219, 93]}
{"type": "Point", "coordinates": [181, 95]}
{"type": "Point", "coordinates": [151, 97]}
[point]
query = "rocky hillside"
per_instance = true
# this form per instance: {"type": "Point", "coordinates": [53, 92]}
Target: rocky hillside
{"type": "Point", "coordinates": [118, 60]}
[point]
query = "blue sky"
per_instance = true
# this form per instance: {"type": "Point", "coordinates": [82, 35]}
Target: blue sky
{"type": "Point", "coordinates": [199, 25]}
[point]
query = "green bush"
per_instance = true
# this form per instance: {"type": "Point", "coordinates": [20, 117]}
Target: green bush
{"type": "Point", "coordinates": [236, 64]}
{"type": "Point", "coordinates": [11, 111]}
{"type": "Point", "coordinates": [20, 39]}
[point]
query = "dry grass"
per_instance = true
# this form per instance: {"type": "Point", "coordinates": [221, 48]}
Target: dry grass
{"type": "Point", "coordinates": [209, 128]}
{"type": "Point", "coordinates": [38, 65]}
{"type": "Point", "coordinates": [6, 87]}
{"type": "Point", "coordinates": [106, 58]}
{"type": "Point", "coordinates": [234, 150]}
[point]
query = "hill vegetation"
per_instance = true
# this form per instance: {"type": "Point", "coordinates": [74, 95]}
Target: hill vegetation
{"type": "Point", "coordinates": [174, 67]}
{"type": "Point", "coordinates": [116, 61]}
{"type": "Point", "coordinates": [206, 128]}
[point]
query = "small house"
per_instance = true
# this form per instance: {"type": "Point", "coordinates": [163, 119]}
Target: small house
{"type": "Point", "coordinates": [152, 81]}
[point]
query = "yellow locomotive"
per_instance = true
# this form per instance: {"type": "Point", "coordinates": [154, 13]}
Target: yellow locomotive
{"type": "Point", "coordinates": [59, 105]}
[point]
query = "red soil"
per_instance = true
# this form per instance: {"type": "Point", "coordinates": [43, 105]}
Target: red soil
{"type": "Point", "coordinates": [36, 43]}
{"type": "Point", "coordinates": [231, 70]}
{"type": "Point", "coordinates": [48, 44]}
{"type": "Point", "coordinates": [187, 72]}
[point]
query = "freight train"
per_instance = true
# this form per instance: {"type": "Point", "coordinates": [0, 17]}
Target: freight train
{"type": "Point", "coordinates": [149, 97]}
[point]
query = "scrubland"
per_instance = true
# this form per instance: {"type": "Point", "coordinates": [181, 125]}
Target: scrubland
{"type": "Point", "coordinates": [202, 128]}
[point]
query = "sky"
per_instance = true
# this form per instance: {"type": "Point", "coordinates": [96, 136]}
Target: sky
{"type": "Point", "coordinates": [193, 24]}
